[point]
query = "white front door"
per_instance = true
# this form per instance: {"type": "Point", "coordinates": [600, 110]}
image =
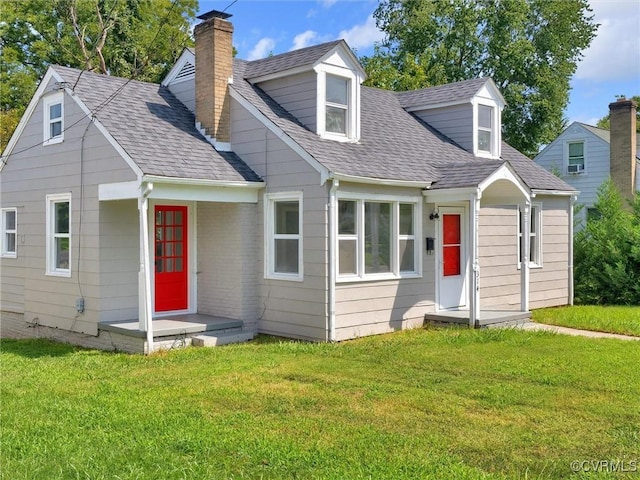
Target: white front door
{"type": "Point", "coordinates": [452, 261]}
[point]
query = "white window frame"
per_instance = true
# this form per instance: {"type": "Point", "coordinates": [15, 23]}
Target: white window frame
{"type": "Point", "coordinates": [584, 157]}
{"type": "Point", "coordinates": [50, 100]}
{"type": "Point", "coordinates": [353, 103]}
{"type": "Point", "coordinates": [341, 106]}
{"type": "Point", "coordinates": [270, 200]}
{"type": "Point", "coordinates": [536, 254]}
{"type": "Point", "coordinates": [496, 124]}
{"type": "Point", "coordinates": [5, 252]}
{"type": "Point", "coordinates": [51, 268]}
{"type": "Point", "coordinates": [359, 236]}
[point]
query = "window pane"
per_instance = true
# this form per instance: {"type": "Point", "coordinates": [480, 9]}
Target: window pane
{"type": "Point", "coordinates": [337, 90]}
{"type": "Point", "coordinates": [287, 218]}
{"type": "Point", "coordinates": [532, 249]}
{"type": "Point", "coordinates": [484, 116]}
{"type": "Point", "coordinates": [484, 140]}
{"type": "Point", "coordinates": [10, 242]}
{"type": "Point", "coordinates": [56, 129]}
{"type": "Point", "coordinates": [407, 257]}
{"type": "Point", "coordinates": [286, 255]}
{"type": "Point", "coordinates": [406, 219]}
{"type": "Point", "coordinates": [576, 149]}
{"type": "Point", "coordinates": [336, 120]}
{"type": "Point", "coordinates": [346, 217]}
{"type": "Point", "coordinates": [451, 260]}
{"type": "Point", "coordinates": [10, 220]}
{"type": "Point", "coordinates": [377, 243]}
{"type": "Point", "coordinates": [62, 217]}
{"type": "Point", "coordinates": [347, 257]}
{"type": "Point", "coordinates": [62, 253]}
{"type": "Point", "coordinates": [533, 227]}
{"type": "Point", "coordinates": [55, 111]}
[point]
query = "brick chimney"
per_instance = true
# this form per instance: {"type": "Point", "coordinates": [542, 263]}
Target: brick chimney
{"type": "Point", "coordinates": [214, 71]}
{"type": "Point", "coordinates": [622, 149]}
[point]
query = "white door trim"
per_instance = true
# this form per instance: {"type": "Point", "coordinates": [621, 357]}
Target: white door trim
{"type": "Point", "coordinates": [463, 210]}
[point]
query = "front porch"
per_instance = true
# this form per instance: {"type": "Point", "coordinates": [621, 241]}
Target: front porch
{"type": "Point", "coordinates": [488, 318]}
{"type": "Point", "coordinates": [178, 331]}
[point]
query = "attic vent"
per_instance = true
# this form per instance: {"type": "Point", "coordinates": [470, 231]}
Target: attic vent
{"type": "Point", "coordinates": [186, 71]}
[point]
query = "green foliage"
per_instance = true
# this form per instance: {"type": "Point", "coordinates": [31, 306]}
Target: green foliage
{"type": "Point", "coordinates": [607, 252]}
{"type": "Point", "coordinates": [604, 121]}
{"type": "Point", "coordinates": [140, 38]}
{"type": "Point", "coordinates": [529, 47]}
{"type": "Point", "coordinates": [422, 404]}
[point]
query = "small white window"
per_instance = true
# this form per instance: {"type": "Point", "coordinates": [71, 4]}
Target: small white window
{"type": "Point", "coordinates": [376, 239]}
{"type": "Point", "coordinates": [284, 235]}
{"type": "Point", "coordinates": [575, 157]}
{"type": "Point", "coordinates": [53, 118]}
{"type": "Point", "coordinates": [485, 128]}
{"type": "Point", "coordinates": [535, 236]}
{"type": "Point", "coordinates": [59, 235]}
{"type": "Point", "coordinates": [337, 105]}
{"type": "Point", "coordinates": [9, 232]}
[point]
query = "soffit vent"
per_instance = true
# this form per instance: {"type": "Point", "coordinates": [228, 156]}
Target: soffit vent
{"type": "Point", "coordinates": [186, 71]}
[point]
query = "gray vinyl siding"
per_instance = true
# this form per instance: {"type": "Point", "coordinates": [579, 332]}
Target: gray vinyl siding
{"type": "Point", "coordinates": [549, 285]}
{"type": "Point", "coordinates": [286, 308]}
{"type": "Point", "coordinates": [553, 158]}
{"type": "Point", "coordinates": [185, 91]}
{"type": "Point", "coordinates": [227, 254]}
{"type": "Point", "coordinates": [26, 180]}
{"type": "Point", "coordinates": [297, 94]}
{"type": "Point", "coordinates": [456, 122]}
{"type": "Point", "coordinates": [373, 307]}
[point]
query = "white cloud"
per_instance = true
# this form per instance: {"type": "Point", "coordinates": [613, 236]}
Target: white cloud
{"type": "Point", "coordinates": [304, 39]}
{"type": "Point", "coordinates": [362, 36]}
{"type": "Point", "coordinates": [262, 48]}
{"type": "Point", "coordinates": [328, 3]}
{"type": "Point", "coordinates": [614, 53]}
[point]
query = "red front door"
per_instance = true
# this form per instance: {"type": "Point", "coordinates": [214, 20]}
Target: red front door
{"type": "Point", "coordinates": [171, 260]}
{"type": "Point", "coordinates": [451, 244]}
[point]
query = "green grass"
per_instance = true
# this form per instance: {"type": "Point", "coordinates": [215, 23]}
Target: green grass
{"type": "Point", "coordinates": [421, 404]}
{"type": "Point", "coordinates": [623, 320]}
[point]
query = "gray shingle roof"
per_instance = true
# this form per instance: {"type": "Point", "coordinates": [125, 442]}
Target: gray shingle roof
{"type": "Point", "coordinates": [531, 173]}
{"type": "Point", "coordinates": [155, 129]}
{"type": "Point", "coordinates": [286, 61]}
{"type": "Point", "coordinates": [451, 92]}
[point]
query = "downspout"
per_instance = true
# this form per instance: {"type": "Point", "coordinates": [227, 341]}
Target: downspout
{"type": "Point", "coordinates": [524, 257]}
{"type": "Point", "coordinates": [474, 295]}
{"type": "Point", "coordinates": [144, 287]}
{"type": "Point", "coordinates": [332, 259]}
{"type": "Point", "coordinates": [572, 200]}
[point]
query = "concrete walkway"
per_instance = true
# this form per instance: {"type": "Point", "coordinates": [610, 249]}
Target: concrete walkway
{"type": "Point", "coordinates": [574, 331]}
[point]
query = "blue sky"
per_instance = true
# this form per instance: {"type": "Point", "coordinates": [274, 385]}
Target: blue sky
{"type": "Point", "coordinates": [611, 65]}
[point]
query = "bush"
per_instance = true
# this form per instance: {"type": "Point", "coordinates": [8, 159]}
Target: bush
{"type": "Point", "coordinates": [607, 252]}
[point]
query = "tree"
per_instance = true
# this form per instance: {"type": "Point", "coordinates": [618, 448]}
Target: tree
{"type": "Point", "coordinates": [130, 38]}
{"type": "Point", "coordinates": [604, 121]}
{"type": "Point", "coordinates": [529, 47]}
{"type": "Point", "coordinates": [607, 252]}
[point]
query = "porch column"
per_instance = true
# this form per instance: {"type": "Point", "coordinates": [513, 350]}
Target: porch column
{"type": "Point", "coordinates": [144, 274]}
{"type": "Point", "coordinates": [525, 245]}
{"type": "Point", "coordinates": [474, 294]}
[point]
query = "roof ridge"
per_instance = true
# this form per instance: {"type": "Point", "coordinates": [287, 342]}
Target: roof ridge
{"type": "Point", "coordinates": [292, 52]}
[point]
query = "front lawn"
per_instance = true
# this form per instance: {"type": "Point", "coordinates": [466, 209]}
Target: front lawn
{"type": "Point", "coordinates": [622, 320]}
{"type": "Point", "coordinates": [421, 404]}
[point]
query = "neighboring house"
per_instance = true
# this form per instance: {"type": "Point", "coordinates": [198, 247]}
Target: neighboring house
{"type": "Point", "coordinates": [585, 156]}
{"type": "Point", "coordinates": [314, 207]}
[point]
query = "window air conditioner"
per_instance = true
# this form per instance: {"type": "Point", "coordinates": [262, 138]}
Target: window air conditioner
{"type": "Point", "coordinates": [575, 168]}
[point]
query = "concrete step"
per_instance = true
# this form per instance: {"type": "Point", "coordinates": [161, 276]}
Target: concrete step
{"type": "Point", "coordinates": [215, 340]}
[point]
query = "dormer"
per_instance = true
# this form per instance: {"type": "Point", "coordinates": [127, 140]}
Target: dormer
{"type": "Point", "coordinates": [468, 112]}
{"type": "Point", "coordinates": [319, 85]}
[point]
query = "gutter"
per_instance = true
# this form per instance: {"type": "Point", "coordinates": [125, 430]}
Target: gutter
{"type": "Point", "coordinates": [197, 182]}
{"type": "Point", "coordinates": [380, 181]}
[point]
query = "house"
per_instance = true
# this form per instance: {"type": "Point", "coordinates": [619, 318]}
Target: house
{"type": "Point", "coordinates": [585, 156]}
{"type": "Point", "coordinates": [277, 196]}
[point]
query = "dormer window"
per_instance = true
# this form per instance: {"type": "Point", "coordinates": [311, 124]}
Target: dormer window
{"type": "Point", "coordinates": [337, 105]}
{"type": "Point", "coordinates": [485, 128]}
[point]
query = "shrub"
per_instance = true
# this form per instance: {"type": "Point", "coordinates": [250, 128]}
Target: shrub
{"type": "Point", "coordinates": [607, 252]}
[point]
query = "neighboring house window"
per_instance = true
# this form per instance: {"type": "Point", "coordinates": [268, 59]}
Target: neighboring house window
{"type": "Point", "coordinates": [485, 128]}
{"type": "Point", "coordinates": [9, 231]}
{"type": "Point", "coordinates": [59, 234]}
{"type": "Point", "coordinates": [593, 214]}
{"type": "Point", "coordinates": [535, 236]}
{"type": "Point", "coordinates": [376, 239]}
{"type": "Point", "coordinates": [575, 157]}
{"type": "Point", "coordinates": [284, 234]}
{"type": "Point", "coordinates": [337, 105]}
{"type": "Point", "coordinates": [53, 118]}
